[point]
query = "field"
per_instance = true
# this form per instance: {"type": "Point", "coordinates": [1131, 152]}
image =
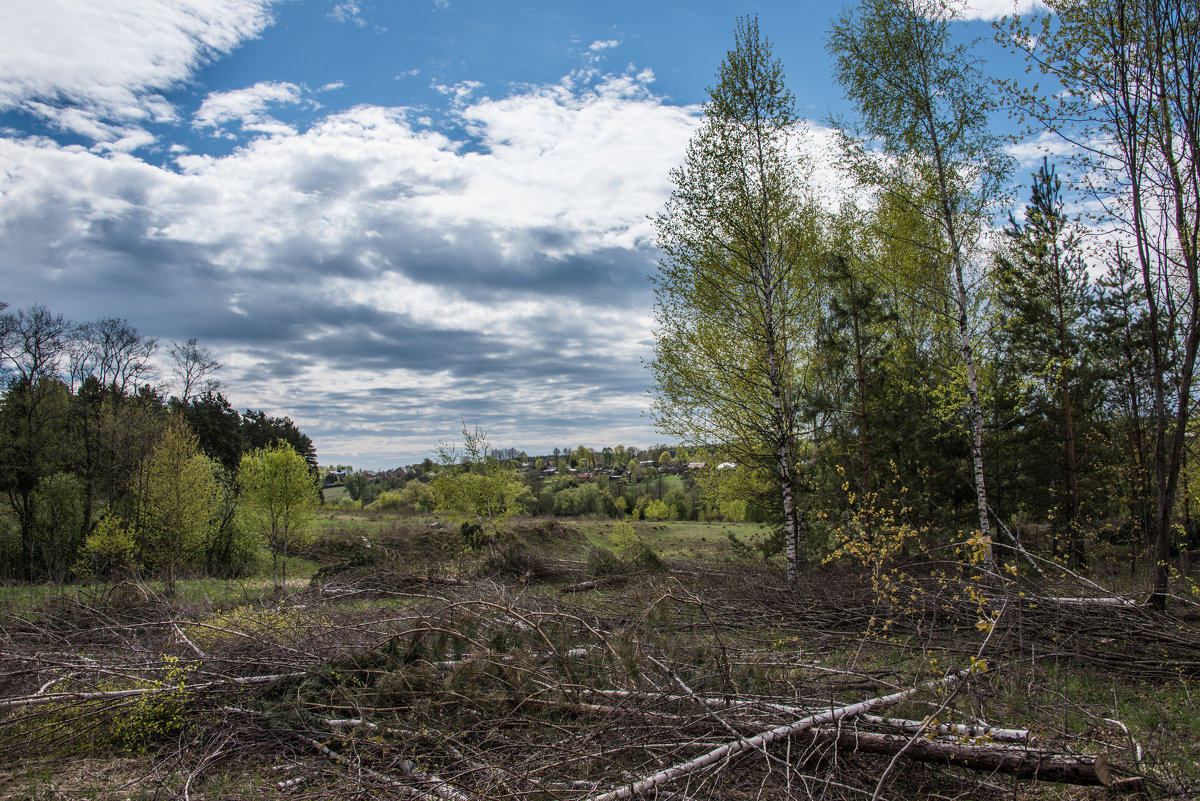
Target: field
{"type": "Point", "coordinates": [575, 660]}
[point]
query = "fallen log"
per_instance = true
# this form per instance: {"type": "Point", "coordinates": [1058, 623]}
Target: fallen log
{"type": "Point", "coordinates": [973, 731]}
{"type": "Point", "coordinates": [113, 695]}
{"type": "Point", "coordinates": [594, 584]}
{"type": "Point", "coordinates": [1106, 601]}
{"type": "Point", "coordinates": [1024, 763]}
{"type": "Point", "coordinates": [759, 741]}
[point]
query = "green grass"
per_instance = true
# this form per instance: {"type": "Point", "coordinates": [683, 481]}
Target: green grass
{"type": "Point", "coordinates": [333, 494]}
{"type": "Point", "coordinates": [675, 539]}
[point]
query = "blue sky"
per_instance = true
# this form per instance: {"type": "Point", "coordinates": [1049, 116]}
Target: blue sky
{"type": "Point", "coordinates": [383, 217]}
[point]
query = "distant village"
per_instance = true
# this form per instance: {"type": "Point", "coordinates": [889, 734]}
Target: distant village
{"type": "Point", "coordinates": [544, 466]}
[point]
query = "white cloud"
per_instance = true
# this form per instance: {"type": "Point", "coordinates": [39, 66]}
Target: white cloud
{"type": "Point", "coordinates": [98, 69]}
{"type": "Point", "coordinates": [509, 274]}
{"type": "Point", "coordinates": [349, 11]}
{"type": "Point", "coordinates": [248, 107]}
{"type": "Point", "coordinates": [995, 9]}
{"type": "Point", "coordinates": [1030, 152]}
{"type": "Point", "coordinates": [598, 49]}
{"type": "Point", "coordinates": [458, 93]}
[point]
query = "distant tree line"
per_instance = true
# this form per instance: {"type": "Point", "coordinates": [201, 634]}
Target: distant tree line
{"type": "Point", "coordinates": [102, 472]}
{"type": "Point", "coordinates": [655, 483]}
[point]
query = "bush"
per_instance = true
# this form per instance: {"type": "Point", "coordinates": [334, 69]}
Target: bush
{"type": "Point", "coordinates": [109, 551]}
{"type": "Point", "coordinates": [389, 501]}
{"type": "Point", "coordinates": [632, 555]}
{"type": "Point", "coordinates": [657, 510]}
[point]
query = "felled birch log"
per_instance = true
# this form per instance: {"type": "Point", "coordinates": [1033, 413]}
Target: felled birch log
{"type": "Point", "coordinates": [1023, 763]}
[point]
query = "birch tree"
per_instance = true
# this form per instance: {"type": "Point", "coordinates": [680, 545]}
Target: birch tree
{"type": "Point", "coordinates": [923, 101]}
{"type": "Point", "coordinates": [738, 241]}
{"type": "Point", "coordinates": [279, 500]}
{"type": "Point", "coordinates": [176, 504]}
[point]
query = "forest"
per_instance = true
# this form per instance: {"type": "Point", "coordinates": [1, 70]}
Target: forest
{"type": "Point", "coordinates": [925, 528]}
{"type": "Point", "coordinates": [95, 460]}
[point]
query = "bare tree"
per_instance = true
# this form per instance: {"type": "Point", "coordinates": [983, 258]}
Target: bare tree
{"type": "Point", "coordinates": [115, 353]}
{"type": "Point", "coordinates": [193, 366]}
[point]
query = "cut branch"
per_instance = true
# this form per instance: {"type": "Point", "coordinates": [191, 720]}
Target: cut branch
{"type": "Point", "coordinates": [759, 741]}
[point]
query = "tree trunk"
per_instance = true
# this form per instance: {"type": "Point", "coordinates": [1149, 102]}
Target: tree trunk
{"type": "Point", "coordinates": [1023, 763]}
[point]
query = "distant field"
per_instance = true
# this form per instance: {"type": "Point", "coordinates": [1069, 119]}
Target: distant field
{"type": "Point", "coordinates": [333, 493]}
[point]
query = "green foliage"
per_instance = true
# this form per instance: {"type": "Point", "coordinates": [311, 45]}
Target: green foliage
{"type": "Point", "coordinates": [279, 500]}
{"type": "Point", "coordinates": [230, 549]}
{"type": "Point", "coordinates": [473, 487]}
{"type": "Point", "coordinates": [110, 550]}
{"type": "Point", "coordinates": [177, 503]}
{"type": "Point", "coordinates": [657, 510]}
{"type": "Point", "coordinates": [742, 241]}
{"type": "Point", "coordinates": [394, 500]}
{"type": "Point", "coordinates": [156, 716]}
{"type": "Point", "coordinates": [925, 145]}
{"type": "Point", "coordinates": [632, 548]}
{"type": "Point", "coordinates": [58, 507]}
{"type": "Point", "coordinates": [34, 444]}
{"type": "Point", "coordinates": [632, 554]}
{"type": "Point", "coordinates": [269, 625]}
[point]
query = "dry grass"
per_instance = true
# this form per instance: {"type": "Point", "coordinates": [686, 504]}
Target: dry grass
{"type": "Point", "coordinates": [408, 670]}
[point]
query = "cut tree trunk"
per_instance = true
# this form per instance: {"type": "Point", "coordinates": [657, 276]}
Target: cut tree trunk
{"type": "Point", "coordinates": [1020, 762]}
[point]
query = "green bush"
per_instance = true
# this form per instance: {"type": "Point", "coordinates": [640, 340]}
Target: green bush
{"type": "Point", "coordinates": [109, 551]}
{"type": "Point", "coordinates": [389, 501]}
{"type": "Point", "coordinates": [632, 554]}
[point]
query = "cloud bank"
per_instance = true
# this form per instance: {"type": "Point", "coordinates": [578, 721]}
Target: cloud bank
{"type": "Point", "coordinates": [371, 276]}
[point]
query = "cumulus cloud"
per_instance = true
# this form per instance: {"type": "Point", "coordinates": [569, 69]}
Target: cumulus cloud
{"type": "Point", "coordinates": [248, 107]}
{"type": "Point", "coordinates": [995, 9]}
{"type": "Point", "coordinates": [99, 69]}
{"type": "Point", "coordinates": [502, 282]}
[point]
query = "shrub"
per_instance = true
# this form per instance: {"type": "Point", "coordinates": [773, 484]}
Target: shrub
{"type": "Point", "coordinates": [632, 554]}
{"type": "Point", "coordinates": [389, 501]}
{"type": "Point", "coordinates": [109, 551]}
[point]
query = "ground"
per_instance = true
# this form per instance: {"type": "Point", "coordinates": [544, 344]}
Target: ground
{"type": "Point", "coordinates": [562, 663]}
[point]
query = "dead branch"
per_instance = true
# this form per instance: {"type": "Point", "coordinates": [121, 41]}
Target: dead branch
{"type": "Point", "coordinates": [108, 695]}
{"type": "Point", "coordinates": [728, 750]}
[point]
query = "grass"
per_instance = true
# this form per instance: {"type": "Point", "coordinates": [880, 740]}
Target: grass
{"type": "Point", "coordinates": [685, 539]}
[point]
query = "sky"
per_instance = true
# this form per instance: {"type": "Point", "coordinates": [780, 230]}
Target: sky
{"type": "Point", "coordinates": [385, 219]}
